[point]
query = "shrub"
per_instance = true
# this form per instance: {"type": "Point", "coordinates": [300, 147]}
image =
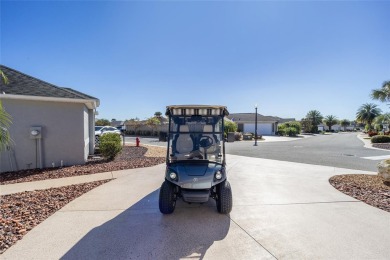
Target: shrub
{"type": "Point", "coordinates": [378, 127]}
{"type": "Point", "coordinates": [110, 145]}
{"type": "Point", "coordinates": [230, 127]}
{"type": "Point", "coordinates": [289, 128]}
{"type": "Point", "coordinates": [380, 139]}
{"type": "Point", "coordinates": [372, 133]}
{"type": "Point", "coordinates": [291, 131]}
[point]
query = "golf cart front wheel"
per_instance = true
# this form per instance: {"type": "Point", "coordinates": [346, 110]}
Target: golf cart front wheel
{"type": "Point", "coordinates": [224, 198]}
{"type": "Point", "coordinates": [167, 199]}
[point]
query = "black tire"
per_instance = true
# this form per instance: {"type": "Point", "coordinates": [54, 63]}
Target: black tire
{"type": "Point", "coordinates": [167, 200]}
{"type": "Point", "coordinates": [224, 198]}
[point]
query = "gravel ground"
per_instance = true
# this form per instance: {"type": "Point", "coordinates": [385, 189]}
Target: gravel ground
{"type": "Point", "coordinates": [130, 157]}
{"type": "Point", "coordinates": [368, 188]}
{"type": "Point", "coordinates": [20, 212]}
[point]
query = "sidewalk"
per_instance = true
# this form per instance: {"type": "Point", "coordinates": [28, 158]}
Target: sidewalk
{"type": "Point", "coordinates": [281, 210]}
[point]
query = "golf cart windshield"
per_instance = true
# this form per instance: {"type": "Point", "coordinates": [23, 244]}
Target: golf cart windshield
{"type": "Point", "coordinates": [196, 137]}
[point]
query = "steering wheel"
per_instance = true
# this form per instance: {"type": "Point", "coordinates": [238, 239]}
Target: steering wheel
{"type": "Point", "coordinates": [206, 141]}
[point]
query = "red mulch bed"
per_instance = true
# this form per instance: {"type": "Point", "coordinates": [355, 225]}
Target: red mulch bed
{"type": "Point", "coordinates": [130, 157]}
{"type": "Point", "coordinates": [370, 189]}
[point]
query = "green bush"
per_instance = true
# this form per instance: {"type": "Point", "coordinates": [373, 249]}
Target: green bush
{"type": "Point", "coordinates": [291, 131]}
{"type": "Point", "coordinates": [289, 128]}
{"type": "Point", "coordinates": [281, 131]}
{"type": "Point", "coordinates": [110, 145]}
{"type": "Point", "coordinates": [380, 139]}
{"type": "Point", "coordinates": [230, 127]}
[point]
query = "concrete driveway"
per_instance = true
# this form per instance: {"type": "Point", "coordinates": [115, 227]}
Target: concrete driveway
{"type": "Point", "coordinates": [282, 210]}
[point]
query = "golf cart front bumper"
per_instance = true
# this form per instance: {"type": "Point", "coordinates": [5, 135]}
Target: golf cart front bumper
{"type": "Point", "coordinates": [195, 196]}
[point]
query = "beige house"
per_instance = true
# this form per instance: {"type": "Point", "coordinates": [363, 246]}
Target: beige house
{"type": "Point", "coordinates": [266, 125]}
{"type": "Point", "coordinates": [51, 126]}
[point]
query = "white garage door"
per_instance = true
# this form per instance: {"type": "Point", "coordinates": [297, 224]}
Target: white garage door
{"type": "Point", "coordinates": [262, 128]}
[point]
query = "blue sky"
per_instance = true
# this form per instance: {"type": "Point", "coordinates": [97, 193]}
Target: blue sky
{"type": "Point", "coordinates": [137, 57]}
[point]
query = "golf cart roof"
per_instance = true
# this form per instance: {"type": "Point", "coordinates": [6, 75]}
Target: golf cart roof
{"type": "Point", "coordinates": [203, 110]}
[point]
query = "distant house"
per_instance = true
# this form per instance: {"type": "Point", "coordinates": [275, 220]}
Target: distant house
{"type": "Point", "coordinates": [51, 125]}
{"type": "Point", "coordinates": [116, 123]}
{"type": "Point", "coordinates": [266, 125]}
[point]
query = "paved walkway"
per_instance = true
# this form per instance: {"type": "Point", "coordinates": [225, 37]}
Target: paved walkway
{"type": "Point", "coordinates": [282, 210]}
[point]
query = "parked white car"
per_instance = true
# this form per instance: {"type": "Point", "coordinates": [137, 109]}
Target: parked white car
{"type": "Point", "coordinates": [100, 130]}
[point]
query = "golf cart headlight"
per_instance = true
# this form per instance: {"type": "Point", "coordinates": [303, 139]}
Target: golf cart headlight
{"type": "Point", "coordinates": [173, 176]}
{"type": "Point", "coordinates": [218, 175]}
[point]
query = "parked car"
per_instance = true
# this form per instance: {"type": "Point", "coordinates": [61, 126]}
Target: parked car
{"type": "Point", "coordinates": [101, 130]}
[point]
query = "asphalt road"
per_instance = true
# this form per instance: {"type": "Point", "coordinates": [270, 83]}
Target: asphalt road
{"type": "Point", "coordinates": [342, 150]}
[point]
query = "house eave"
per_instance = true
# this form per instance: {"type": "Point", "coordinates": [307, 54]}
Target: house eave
{"type": "Point", "coordinates": [90, 103]}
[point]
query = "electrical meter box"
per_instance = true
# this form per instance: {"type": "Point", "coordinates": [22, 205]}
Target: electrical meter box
{"type": "Point", "coordinates": [36, 132]}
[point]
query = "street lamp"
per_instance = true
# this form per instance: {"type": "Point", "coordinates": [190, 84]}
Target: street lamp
{"type": "Point", "coordinates": [256, 125]}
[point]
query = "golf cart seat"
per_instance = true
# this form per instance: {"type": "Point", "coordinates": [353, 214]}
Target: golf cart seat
{"type": "Point", "coordinates": [184, 144]}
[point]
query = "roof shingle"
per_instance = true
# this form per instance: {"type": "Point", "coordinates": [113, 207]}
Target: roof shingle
{"type": "Point", "coordinates": [22, 84]}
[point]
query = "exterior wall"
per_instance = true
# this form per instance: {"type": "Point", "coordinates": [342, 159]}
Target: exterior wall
{"type": "Point", "coordinates": [262, 128]}
{"type": "Point", "coordinates": [63, 134]}
{"type": "Point", "coordinates": [86, 133]}
{"type": "Point", "coordinates": [334, 128]}
{"type": "Point", "coordinates": [91, 119]}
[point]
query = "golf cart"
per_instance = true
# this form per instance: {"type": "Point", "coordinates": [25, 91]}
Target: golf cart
{"type": "Point", "coordinates": [196, 163]}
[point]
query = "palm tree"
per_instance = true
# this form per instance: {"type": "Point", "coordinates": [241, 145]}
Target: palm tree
{"type": "Point", "coordinates": [3, 77]}
{"type": "Point", "coordinates": [344, 123]}
{"type": "Point", "coordinates": [5, 120]}
{"type": "Point", "coordinates": [382, 94]}
{"type": "Point", "coordinates": [315, 118]}
{"type": "Point", "coordinates": [330, 120]}
{"type": "Point", "coordinates": [367, 113]}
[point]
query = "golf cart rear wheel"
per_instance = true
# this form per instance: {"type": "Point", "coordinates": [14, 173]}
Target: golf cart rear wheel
{"type": "Point", "coordinates": [167, 200]}
{"type": "Point", "coordinates": [224, 198]}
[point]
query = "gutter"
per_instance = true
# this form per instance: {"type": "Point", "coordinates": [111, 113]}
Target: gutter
{"type": "Point", "coordinates": [90, 103]}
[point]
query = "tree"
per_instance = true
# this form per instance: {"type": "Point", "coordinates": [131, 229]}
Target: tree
{"type": "Point", "coordinates": [230, 127]}
{"type": "Point", "coordinates": [367, 113]}
{"type": "Point", "coordinates": [102, 122]}
{"type": "Point", "coordinates": [157, 114]}
{"type": "Point", "coordinates": [4, 77]}
{"type": "Point", "coordinates": [382, 94]}
{"type": "Point", "coordinates": [292, 128]}
{"type": "Point", "coordinates": [344, 123]}
{"type": "Point", "coordinates": [330, 120]}
{"type": "Point", "coordinates": [315, 118]}
{"type": "Point", "coordinates": [135, 124]}
{"type": "Point", "coordinates": [153, 122]}
{"type": "Point", "coordinates": [307, 126]}
{"type": "Point", "coordinates": [5, 120]}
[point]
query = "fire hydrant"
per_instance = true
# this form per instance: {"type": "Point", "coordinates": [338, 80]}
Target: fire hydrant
{"type": "Point", "coordinates": [137, 142]}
